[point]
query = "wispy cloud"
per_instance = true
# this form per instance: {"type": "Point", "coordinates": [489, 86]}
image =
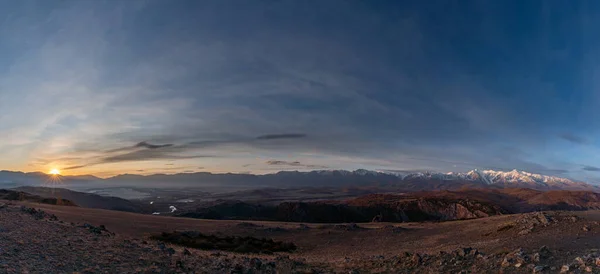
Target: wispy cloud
{"type": "Point", "coordinates": [151, 146]}
{"type": "Point", "coordinates": [292, 164]}
{"type": "Point", "coordinates": [281, 136]}
{"type": "Point", "coordinates": [97, 79]}
{"type": "Point", "coordinates": [140, 152]}
{"type": "Point", "coordinates": [591, 168]}
{"type": "Point", "coordinates": [573, 138]}
{"type": "Point", "coordinates": [73, 167]}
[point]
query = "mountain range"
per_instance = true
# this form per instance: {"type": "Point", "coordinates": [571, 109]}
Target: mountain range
{"type": "Point", "coordinates": [402, 181]}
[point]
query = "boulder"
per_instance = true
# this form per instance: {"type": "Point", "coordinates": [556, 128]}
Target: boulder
{"type": "Point", "coordinates": [539, 269]}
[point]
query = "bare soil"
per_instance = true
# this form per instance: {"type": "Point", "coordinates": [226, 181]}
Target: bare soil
{"type": "Point", "coordinates": [431, 247]}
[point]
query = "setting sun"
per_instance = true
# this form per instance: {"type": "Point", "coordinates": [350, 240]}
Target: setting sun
{"type": "Point", "coordinates": [54, 171]}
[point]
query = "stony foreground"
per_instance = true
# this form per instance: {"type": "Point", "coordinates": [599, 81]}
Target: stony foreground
{"type": "Point", "coordinates": [36, 241]}
{"type": "Point", "coordinates": [32, 241]}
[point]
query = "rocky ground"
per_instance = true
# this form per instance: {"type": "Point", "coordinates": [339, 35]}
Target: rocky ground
{"type": "Point", "coordinates": [33, 241]}
{"type": "Point", "coordinates": [63, 240]}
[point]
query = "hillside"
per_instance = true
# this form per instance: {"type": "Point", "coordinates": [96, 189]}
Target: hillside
{"type": "Point", "coordinates": [417, 206]}
{"type": "Point", "coordinates": [12, 195]}
{"type": "Point", "coordinates": [525, 200]}
{"type": "Point", "coordinates": [515, 243]}
{"type": "Point", "coordinates": [401, 210]}
{"type": "Point", "coordinates": [86, 199]}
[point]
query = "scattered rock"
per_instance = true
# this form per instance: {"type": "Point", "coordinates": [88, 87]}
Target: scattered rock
{"type": "Point", "coordinates": [99, 230]}
{"type": "Point", "coordinates": [37, 214]}
{"type": "Point", "coordinates": [416, 259]}
{"type": "Point", "coordinates": [586, 228]}
{"type": "Point", "coordinates": [171, 251]}
{"type": "Point", "coordinates": [544, 219]}
{"type": "Point", "coordinates": [544, 252]}
{"type": "Point", "coordinates": [526, 231]}
{"type": "Point", "coordinates": [377, 218]}
{"type": "Point", "coordinates": [506, 262]}
{"type": "Point", "coordinates": [505, 227]}
{"type": "Point", "coordinates": [255, 263]}
{"type": "Point", "coordinates": [539, 269]}
{"type": "Point", "coordinates": [573, 219]}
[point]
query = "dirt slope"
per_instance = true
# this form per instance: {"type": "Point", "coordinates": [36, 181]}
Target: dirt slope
{"type": "Point", "coordinates": [373, 247]}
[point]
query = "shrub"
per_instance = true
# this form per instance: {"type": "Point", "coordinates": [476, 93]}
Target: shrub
{"type": "Point", "coordinates": [198, 240]}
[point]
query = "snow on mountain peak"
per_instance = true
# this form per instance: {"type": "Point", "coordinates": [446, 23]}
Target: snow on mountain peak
{"type": "Point", "coordinates": [525, 178]}
{"type": "Point", "coordinates": [513, 178]}
{"type": "Point", "coordinates": [506, 178]}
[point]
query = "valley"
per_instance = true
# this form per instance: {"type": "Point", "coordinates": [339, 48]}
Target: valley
{"type": "Point", "coordinates": [444, 226]}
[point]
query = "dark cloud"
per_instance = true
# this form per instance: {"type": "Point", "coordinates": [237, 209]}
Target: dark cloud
{"type": "Point", "coordinates": [591, 168]}
{"type": "Point", "coordinates": [140, 145]}
{"type": "Point", "coordinates": [281, 136]}
{"type": "Point", "coordinates": [292, 164]}
{"type": "Point", "coordinates": [574, 138]}
{"type": "Point", "coordinates": [286, 163]}
{"type": "Point", "coordinates": [200, 167]}
{"type": "Point", "coordinates": [151, 146]}
{"type": "Point", "coordinates": [140, 170]}
{"type": "Point", "coordinates": [73, 167]}
{"type": "Point", "coordinates": [142, 151]}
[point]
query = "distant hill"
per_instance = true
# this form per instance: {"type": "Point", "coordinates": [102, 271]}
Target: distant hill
{"type": "Point", "coordinates": [88, 200]}
{"type": "Point", "coordinates": [402, 210]}
{"type": "Point", "coordinates": [418, 206]}
{"type": "Point", "coordinates": [525, 200]}
{"type": "Point", "coordinates": [415, 181]}
{"type": "Point", "coordinates": [225, 182]}
{"type": "Point", "coordinates": [13, 195]}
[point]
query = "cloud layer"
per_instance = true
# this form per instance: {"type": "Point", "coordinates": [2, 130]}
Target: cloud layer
{"type": "Point", "coordinates": [97, 87]}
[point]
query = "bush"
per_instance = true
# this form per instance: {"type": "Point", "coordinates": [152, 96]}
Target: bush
{"type": "Point", "coordinates": [198, 240]}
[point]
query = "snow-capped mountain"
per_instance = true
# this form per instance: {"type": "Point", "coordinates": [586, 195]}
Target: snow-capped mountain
{"type": "Point", "coordinates": [513, 178]}
{"type": "Point", "coordinates": [521, 177]}
{"type": "Point", "coordinates": [436, 180]}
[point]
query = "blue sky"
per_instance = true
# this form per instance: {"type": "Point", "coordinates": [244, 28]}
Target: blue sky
{"type": "Point", "coordinates": [108, 87]}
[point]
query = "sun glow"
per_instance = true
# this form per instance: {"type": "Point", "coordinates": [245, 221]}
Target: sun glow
{"type": "Point", "coordinates": [54, 171]}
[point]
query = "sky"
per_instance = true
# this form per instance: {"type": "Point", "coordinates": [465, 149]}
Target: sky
{"type": "Point", "coordinates": [110, 87]}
